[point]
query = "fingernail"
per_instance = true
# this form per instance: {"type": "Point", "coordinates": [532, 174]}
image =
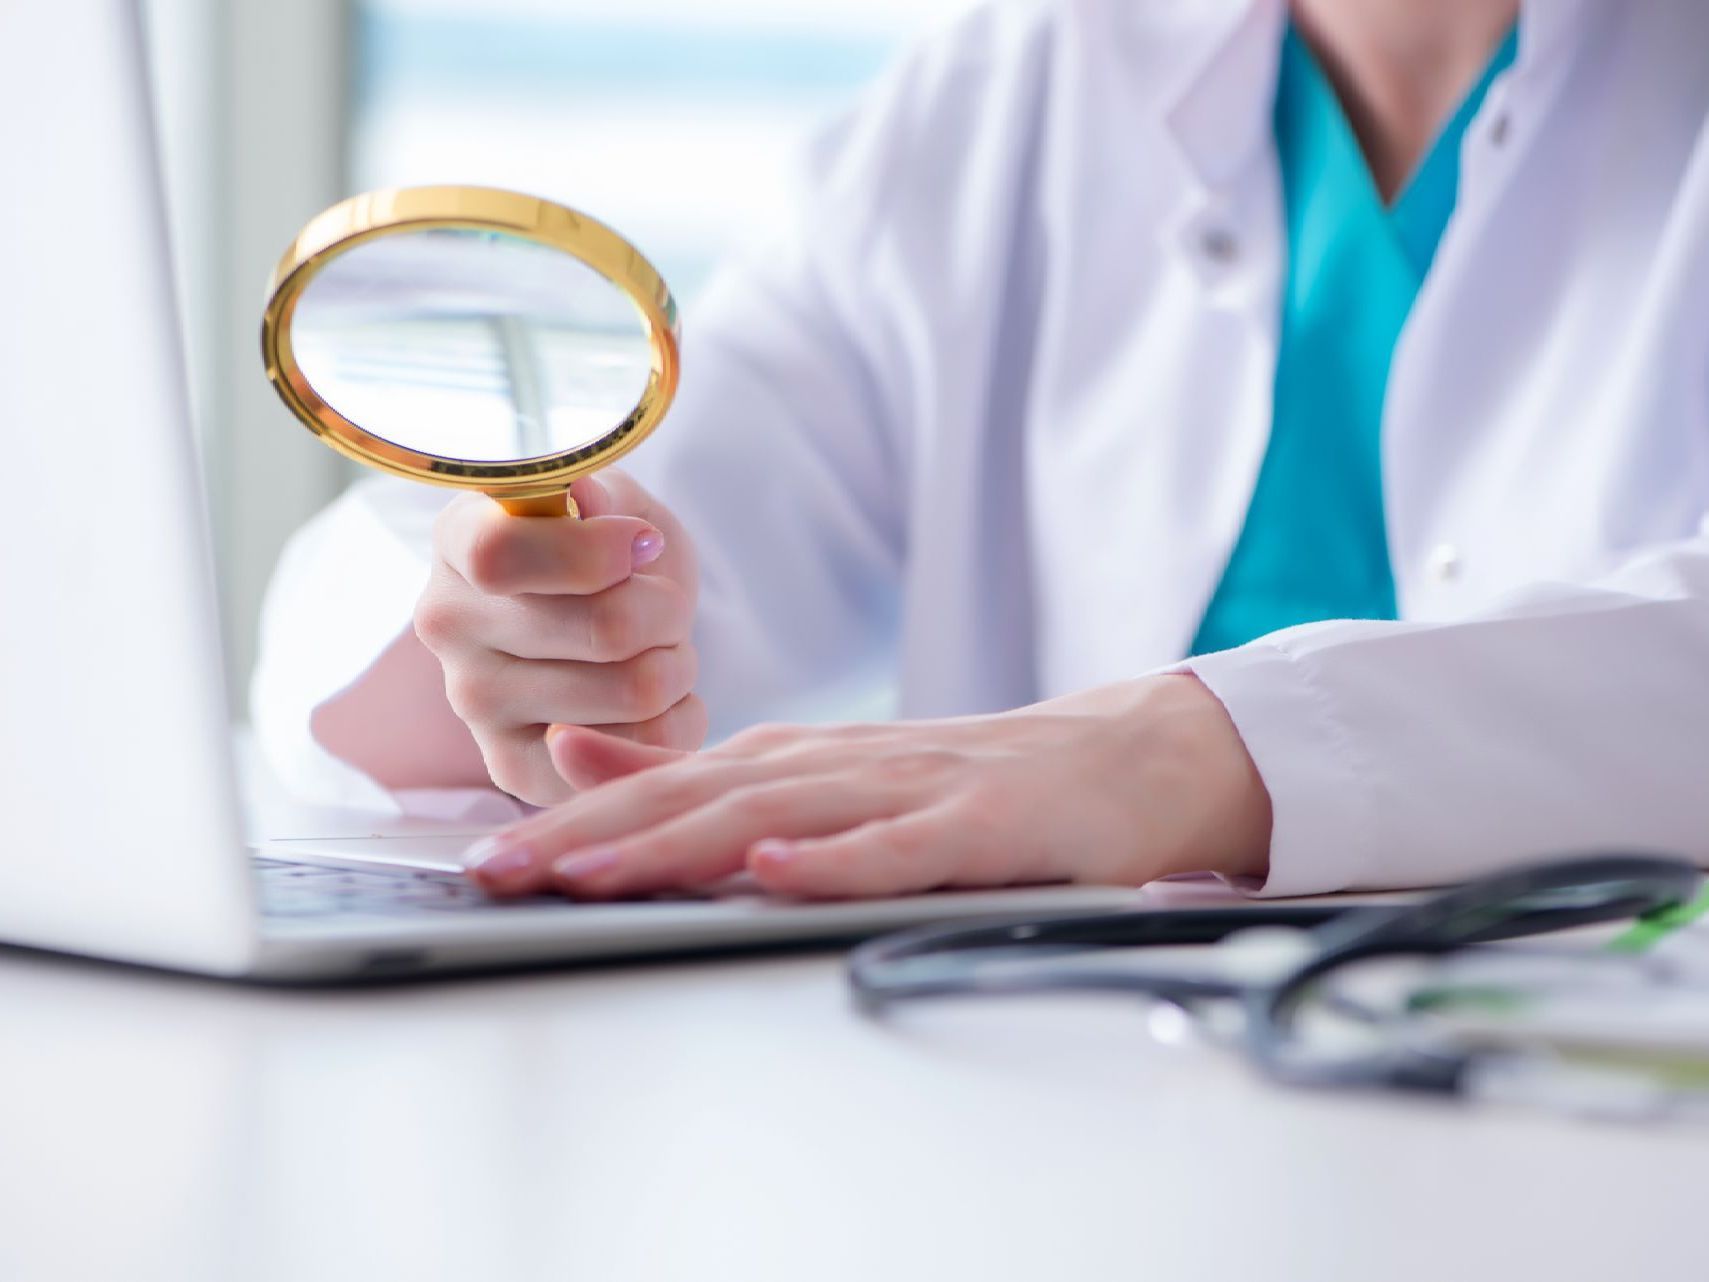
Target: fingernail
{"type": "Point", "coordinates": [585, 863]}
{"type": "Point", "coordinates": [496, 859]}
{"type": "Point", "coordinates": [648, 547]}
{"type": "Point", "coordinates": [773, 851]}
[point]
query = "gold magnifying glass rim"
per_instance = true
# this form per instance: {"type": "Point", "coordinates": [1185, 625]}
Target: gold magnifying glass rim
{"type": "Point", "coordinates": [380, 213]}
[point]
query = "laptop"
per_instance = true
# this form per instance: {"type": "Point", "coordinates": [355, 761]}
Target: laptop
{"type": "Point", "coordinates": [121, 831]}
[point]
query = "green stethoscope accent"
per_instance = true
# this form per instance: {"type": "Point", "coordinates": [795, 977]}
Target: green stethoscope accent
{"type": "Point", "coordinates": [1314, 544]}
{"type": "Point", "coordinates": [1653, 927]}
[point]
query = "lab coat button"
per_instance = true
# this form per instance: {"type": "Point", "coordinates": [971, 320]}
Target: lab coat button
{"type": "Point", "coordinates": [1444, 564]}
{"type": "Point", "coordinates": [1499, 128]}
{"type": "Point", "coordinates": [1219, 245]}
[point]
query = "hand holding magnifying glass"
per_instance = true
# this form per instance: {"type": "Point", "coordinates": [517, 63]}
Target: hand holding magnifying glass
{"type": "Point", "coordinates": [499, 343]}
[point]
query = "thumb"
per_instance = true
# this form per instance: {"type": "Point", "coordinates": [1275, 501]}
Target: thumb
{"type": "Point", "coordinates": [592, 498]}
{"type": "Point", "coordinates": [586, 758]}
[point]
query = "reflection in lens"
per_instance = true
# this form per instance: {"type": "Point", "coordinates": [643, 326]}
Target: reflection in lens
{"type": "Point", "coordinates": [471, 345]}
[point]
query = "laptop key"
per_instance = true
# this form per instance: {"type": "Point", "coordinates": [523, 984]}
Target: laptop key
{"type": "Point", "coordinates": [306, 890]}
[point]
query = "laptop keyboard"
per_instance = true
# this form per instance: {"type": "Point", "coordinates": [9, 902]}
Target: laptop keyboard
{"type": "Point", "coordinates": [311, 890]}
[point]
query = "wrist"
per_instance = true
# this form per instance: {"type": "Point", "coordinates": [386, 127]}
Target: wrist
{"type": "Point", "coordinates": [1196, 781]}
{"type": "Point", "coordinates": [1237, 822]}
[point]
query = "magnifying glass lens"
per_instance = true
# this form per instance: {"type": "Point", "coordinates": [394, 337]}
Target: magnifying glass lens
{"type": "Point", "coordinates": [472, 345]}
{"type": "Point", "coordinates": [471, 337]}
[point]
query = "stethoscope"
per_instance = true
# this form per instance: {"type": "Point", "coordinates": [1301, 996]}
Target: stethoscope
{"type": "Point", "coordinates": [1285, 972]}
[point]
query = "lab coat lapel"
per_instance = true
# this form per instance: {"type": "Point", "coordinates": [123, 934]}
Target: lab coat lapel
{"type": "Point", "coordinates": [1219, 114]}
{"type": "Point", "coordinates": [1162, 350]}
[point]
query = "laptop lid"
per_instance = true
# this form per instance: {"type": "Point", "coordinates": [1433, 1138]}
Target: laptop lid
{"type": "Point", "coordinates": [119, 831]}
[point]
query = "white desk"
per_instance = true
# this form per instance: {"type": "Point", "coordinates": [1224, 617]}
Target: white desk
{"type": "Point", "coordinates": [736, 1120]}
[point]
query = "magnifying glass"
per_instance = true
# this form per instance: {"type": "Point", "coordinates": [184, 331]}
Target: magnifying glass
{"type": "Point", "coordinates": [472, 337]}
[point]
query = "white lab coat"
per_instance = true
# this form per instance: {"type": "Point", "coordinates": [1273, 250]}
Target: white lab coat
{"type": "Point", "coordinates": [985, 416]}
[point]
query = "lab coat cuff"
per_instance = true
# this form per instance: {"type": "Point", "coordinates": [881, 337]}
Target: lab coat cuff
{"type": "Point", "coordinates": [1320, 833]}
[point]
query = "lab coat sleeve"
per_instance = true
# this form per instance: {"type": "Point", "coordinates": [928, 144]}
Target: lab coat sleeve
{"type": "Point", "coordinates": [343, 590]}
{"type": "Point", "coordinates": [1565, 719]}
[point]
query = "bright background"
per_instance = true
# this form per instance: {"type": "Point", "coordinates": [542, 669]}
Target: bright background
{"type": "Point", "coordinates": [673, 120]}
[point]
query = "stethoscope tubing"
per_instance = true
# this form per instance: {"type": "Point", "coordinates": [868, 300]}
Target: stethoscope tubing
{"type": "Point", "coordinates": [897, 966]}
{"type": "Point", "coordinates": [1513, 904]}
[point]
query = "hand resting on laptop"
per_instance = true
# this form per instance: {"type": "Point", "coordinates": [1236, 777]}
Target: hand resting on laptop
{"type": "Point", "coordinates": [1121, 785]}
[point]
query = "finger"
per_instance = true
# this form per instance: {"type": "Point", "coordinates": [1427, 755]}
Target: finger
{"type": "Point", "coordinates": [586, 757]}
{"type": "Point", "coordinates": [522, 761]}
{"type": "Point", "coordinates": [711, 841]}
{"type": "Point", "coordinates": [499, 692]}
{"type": "Point", "coordinates": [517, 762]}
{"type": "Point", "coordinates": [615, 492]}
{"type": "Point", "coordinates": [916, 851]}
{"type": "Point", "coordinates": [505, 555]}
{"type": "Point", "coordinates": [682, 728]}
{"type": "Point", "coordinates": [641, 613]}
{"type": "Point", "coordinates": [594, 499]}
{"type": "Point", "coordinates": [517, 861]}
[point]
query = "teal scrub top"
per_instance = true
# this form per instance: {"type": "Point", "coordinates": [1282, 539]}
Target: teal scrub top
{"type": "Point", "coordinates": [1314, 545]}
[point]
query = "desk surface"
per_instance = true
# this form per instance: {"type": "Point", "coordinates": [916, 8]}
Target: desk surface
{"type": "Point", "coordinates": [735, 1119]}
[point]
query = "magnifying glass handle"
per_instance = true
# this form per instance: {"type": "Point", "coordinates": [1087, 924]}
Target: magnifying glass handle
{"type": "Point", "coordinates": [548, 505]}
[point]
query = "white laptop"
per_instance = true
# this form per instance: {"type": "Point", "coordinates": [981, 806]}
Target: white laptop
{"type": "Point", "coordinates": [121, 832]}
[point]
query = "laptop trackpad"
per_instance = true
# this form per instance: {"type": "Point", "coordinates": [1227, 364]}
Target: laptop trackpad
{"type": "Point", "coordinates": [416, 850]}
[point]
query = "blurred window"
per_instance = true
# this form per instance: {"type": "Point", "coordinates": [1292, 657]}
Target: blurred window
{"type": "Point", "coordinates": [673, 120]}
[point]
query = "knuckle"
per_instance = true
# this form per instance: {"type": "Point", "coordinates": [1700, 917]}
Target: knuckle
{"type": "Point", "coordinates": [683, 726]}
{"type": "Point", "coordinates": [985, 815]}
{"type": "Point", "coordinates": [491, 557]}
{"type": "Point", "coordinates": [436, 621]}
{"type": "Point", "coordinates": [903, 842]}
{"type": "Point", "coordinates": [624, 490]}
{"type": "Point", "coordinates": [474, 694]}
{"type": "Point", "coordinates": [767, 736]}
{"type": "Point", "coordinates": [625, 496]}
{"type": "Point", "coordinates": [653, 682]}
{"type": "Point", "coordinates": [916, 765]}
{"type": "Point", "coordinates": [613, 633]}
